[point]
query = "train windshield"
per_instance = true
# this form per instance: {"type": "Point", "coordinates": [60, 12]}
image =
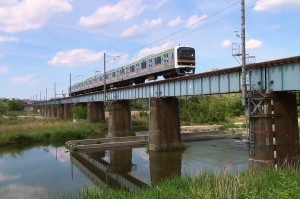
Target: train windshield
{"type": "Point", "coordinates": [186, 53]}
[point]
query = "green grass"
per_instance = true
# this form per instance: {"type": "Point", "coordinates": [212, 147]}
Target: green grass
{"type": "Point", "coordinates": [26, 130]}
{"type": "Point", "coordinates": [281, 184]}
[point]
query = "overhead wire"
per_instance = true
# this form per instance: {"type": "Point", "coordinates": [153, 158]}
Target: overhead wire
{"type": "Point", "coordinates": [116, 57]}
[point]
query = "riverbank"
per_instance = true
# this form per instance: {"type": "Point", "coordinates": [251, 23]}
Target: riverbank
{"type": "Point", "coordinates": [281, 184]}
{"type": "Point", "coordinates": [30, 130]}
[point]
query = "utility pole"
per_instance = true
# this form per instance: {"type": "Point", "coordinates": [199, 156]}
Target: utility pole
{"type": "Point", "coordinates": [46, 94]}
{"type": "Point", "coordinates": [70, 85]}
{"type": "Point", "coordinates": [54, 90]}
{"type": "Point", "coordinates": [104, 81]}
{"type": "Point", "coordinates": [243, 38]}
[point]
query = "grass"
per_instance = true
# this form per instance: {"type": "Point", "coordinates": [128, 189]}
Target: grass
{"type": "Point", "coordinates": [27, 130]}
{"type": "Point", "coordinates": [281, 184]}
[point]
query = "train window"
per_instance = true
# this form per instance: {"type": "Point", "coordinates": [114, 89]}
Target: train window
{"type": "Point", "coordinates": [127, 70]}
{"type": "Point", "coordinates": [157, 60]}
{"type": "Point", "coordinates": [113, 74]}
{"type": "Point", "coordinates": [100, 79]}
{"type": "Point", "coordinates": [144, 65]}
{"type": "Point", "coordinates": [131, 68]}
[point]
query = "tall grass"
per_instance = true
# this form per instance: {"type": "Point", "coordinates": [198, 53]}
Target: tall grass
{"type": "Point", "coordinates": [281, 184]}
{"type": "Point", "coordinates": [19, 131]}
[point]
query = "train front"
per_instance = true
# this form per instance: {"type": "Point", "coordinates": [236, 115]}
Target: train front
{"type": "Point", "coordinates": [185, 60]}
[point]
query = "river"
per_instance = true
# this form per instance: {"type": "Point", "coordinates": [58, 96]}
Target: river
{"type": "Point", "coordinates": [37, 171]}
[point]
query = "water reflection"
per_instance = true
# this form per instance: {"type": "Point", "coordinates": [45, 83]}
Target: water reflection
{"type": "Point", "coordinates": [114, 173]}
{"type": "Point", "coordinates": [164, 165]}
{"type": "Point", "coordinates": [135, 168]}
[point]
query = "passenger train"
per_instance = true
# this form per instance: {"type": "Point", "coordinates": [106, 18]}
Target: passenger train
{"type": "Point", "coordinates": [177, 61]}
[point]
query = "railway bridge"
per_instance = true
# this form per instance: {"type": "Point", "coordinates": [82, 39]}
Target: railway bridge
{"type": "Point", "coordinates": [272, 89]}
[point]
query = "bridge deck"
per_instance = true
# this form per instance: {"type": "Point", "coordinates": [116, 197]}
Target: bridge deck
{"type": "Point", "coordinates": [276, 75]}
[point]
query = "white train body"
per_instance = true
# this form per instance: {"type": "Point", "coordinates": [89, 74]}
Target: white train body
{"type": "Point", "coordinates": [177, 61]}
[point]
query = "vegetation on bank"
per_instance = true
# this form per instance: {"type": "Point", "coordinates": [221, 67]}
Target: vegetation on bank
{"type": "Point", "coordinates": [281, 184]}
{"type": "Point", "coordinates": [27, 130]}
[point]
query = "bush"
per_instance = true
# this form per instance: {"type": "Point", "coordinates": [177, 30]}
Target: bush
{"type": "Point", "coordinates": [80, 112]}
{"type": "Point", "coordinates": [210, 109]}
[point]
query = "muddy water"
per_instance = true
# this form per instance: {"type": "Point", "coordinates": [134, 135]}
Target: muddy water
{"type": "Point", "coordinates": [36, 171]}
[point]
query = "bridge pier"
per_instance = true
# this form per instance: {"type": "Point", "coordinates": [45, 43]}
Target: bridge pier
{"type": "Point", "coordinates": [95, 112]}
{"type": "Point", "coordinates": [164, 127]}
{"type": "Point", "coordinates": [119, 121]}
{"type": "Point", "coordinates": [67, 111]}
{"type": "Point", "coordinates": [47, 111]}
{"type": "Point", "coordinates": [60, 110]}
{"type": "Point", "coordinates": [53, 110]}
{"type": "Point", "coordinates": [274, 140]}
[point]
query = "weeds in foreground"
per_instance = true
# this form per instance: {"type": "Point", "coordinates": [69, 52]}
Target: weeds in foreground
{"type": "Point", "coordinates": [280, 184]}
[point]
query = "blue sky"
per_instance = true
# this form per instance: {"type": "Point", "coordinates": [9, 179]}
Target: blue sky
{"type": "Point", "coordinates": [42, 42]}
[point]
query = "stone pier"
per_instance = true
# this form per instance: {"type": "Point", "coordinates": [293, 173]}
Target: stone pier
{"type": "Point", "coordinates": [95, 112]}
{"type": "Point", "coordinates": [164, 127]}
{"type": "Point", "coordinates": [119, 122]}
{"type": "Point", "coordinates": [273, 117]}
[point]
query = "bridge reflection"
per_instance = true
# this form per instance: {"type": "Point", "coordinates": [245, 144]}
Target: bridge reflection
{"type": "Point", "coordinates": [113, 168]}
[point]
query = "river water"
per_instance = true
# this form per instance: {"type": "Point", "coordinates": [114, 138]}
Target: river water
{"type": "Point", "coordinates": [37, 171]}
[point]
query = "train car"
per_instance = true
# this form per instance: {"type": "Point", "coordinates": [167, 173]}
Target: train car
{"type": "Point", "coordinates": [177, 61]}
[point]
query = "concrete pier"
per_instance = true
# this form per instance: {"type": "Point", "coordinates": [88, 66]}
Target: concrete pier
{"type": "Point", "coordinates": [60, 110]}
{"type": "Point", "coordinates": [95, 112]}
{"type": "Point", "coordinates": [119, 122]}
{"type": "Point", "coordinates": [67, 111]}
{"type": "Point", "coordinates": [53, 110]}
{"type": "Point", "coordinates": [164, 128]}
{"type": "Point", "coordinates": [275, 126]}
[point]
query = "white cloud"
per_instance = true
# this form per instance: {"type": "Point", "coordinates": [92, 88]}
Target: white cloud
{"type": "Point", "coordinates": [226, 43]}
{"type": "Point", "coordinates": [60, 154]}
{"type": "Point", "coordinates": [75, 57]}
{"type": "Point", "coordinates": [22, 191]}
{"type": "Point", "coordinates": [175, 22]}
{"type": "Point", "coordinates": [22, 79]}
{"type": "Point", "coordinates": [253, 43]}
{"type": "Point", "coordinates": [121, 11]}
{"type": "Point", "coordinates": [154, 50]}
{"type": "Point", "coordinates": [3, 70]}
{"type": "Point", "coordinates": [273, 27]}
{"type": "Point", "coordinates": [16, 16]}
{"type": "Point", "coordinates": [195, 20]}
{"type": "Point", "coordinates": [277, 5]}
{"type": "Point", "coordinates": [4, 177]}
{"type": "Point", "coordinates": [140, 29]}
{"type": "Point", "coordinates": [8, 39]}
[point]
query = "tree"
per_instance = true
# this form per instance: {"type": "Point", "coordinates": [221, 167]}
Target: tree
{"type": "Point", "coordinates": [16, 105]}
{"type": "Point", "coordinates": [3, 108]}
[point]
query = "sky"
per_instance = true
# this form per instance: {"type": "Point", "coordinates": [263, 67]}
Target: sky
{"type": "Point", "coordinates": [44, 42]}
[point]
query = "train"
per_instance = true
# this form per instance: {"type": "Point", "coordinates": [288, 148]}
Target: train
{"type": "Point", "coordinates": [174, 62]}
